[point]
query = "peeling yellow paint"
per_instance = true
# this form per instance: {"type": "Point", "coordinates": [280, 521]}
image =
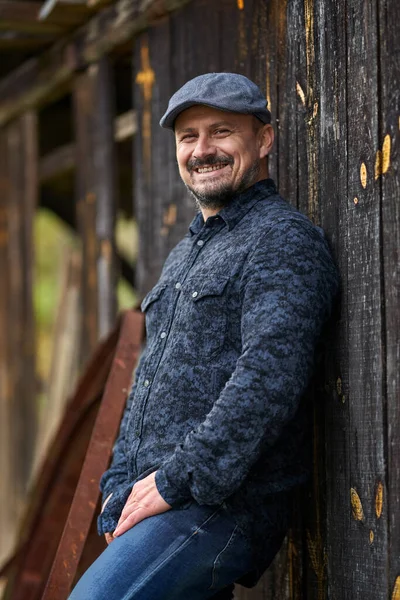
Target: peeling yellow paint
{"type": "Point", "coordinates": [146, 79]}
{"type": "Point", "coordinates": [378, 164]}
{"type": "Point", "coordinates": [371, 537]}
{"type": "Point", "coordinates": [300, 92]}
{"type": "Point", "coordinates": [319, 561]}
{"type": "Point", "coordinates": [363, 175]}
{"type": "Point", "coordinates": [386, 154]}
{"type": "Point", "coordinates": [169, 219]}
{"type": "Point", "coordinates": [268, 88]}
{"type": "Point", "coordinates": [396, 589]}
{"type": "Point", "coordinates": [339, 390]}
{"type": "Point", "coordinates": [355, 200]}
{"type": "Point", "coordinates": [170, 215]}
{"type": "Point", "coordinates": [240, 4]}
{"type": "Point", "coordinates": [312, 106]}
{"type": "Point", "coordinates": [356, 505]}
{"type": "Point", "coordinates": [242, 36]}
{"type": "Point", "coordinates": [379, 499]}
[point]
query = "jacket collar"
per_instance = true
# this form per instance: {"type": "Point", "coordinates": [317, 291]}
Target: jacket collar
{"type": "Point", "coordinates": [238, 207]}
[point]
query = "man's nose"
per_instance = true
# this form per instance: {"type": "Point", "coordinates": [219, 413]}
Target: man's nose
{"type": "Point", "coordinates": [203, 147]}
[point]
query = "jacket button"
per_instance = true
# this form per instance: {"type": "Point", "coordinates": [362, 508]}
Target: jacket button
{"type": "Point", "coordinates": [195, 294]}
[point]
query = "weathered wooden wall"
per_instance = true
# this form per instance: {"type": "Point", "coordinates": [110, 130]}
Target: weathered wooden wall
{"type": "Point", "coordinates": [18, 197]}
{"type": "Point", "coordinates": [330, 71]}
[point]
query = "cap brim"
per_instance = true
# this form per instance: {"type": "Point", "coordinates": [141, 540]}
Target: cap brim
{"type": "Point", "coordinates": [168, 120]}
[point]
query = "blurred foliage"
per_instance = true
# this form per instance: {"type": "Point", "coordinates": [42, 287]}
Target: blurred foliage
{"type": "Point", "coordinates": [52, 238]}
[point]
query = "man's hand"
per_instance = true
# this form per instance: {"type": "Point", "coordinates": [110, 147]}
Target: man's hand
{"type": "Point", "coordinates": [144, 501]}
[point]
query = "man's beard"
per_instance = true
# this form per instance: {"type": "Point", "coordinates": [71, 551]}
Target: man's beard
{"type": "Point", "coordinates": [220, 196]}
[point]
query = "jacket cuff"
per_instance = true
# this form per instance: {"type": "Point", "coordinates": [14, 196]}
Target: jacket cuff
{"type": "Point", "coordinates": [172, 494]}
{"type": "Point", "coordinates": [108, 519]}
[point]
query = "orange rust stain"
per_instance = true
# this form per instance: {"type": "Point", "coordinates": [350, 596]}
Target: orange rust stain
{"type": "Point", "coordinates": [363, 175]}
{"type": "Point", "coordinates": [356, 505]}
{"type": "Point", "coordinates": [90, 198]}
{"type": "Point", "coordinates": [170, 215]}
{"type": "Point", "coordinates": [169, 219]}
{"type": "Point", "coordinates": [3, 237]}
{"type": "Point", "coordinates": [106, 250]}
{"type": "Point", "coordinates": [379, 499]}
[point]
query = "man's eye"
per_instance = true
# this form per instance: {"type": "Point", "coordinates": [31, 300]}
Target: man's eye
{"type": "Point", "coordinates": [188, 137]}
{"type": "Point", "coordinates": [222, 131]}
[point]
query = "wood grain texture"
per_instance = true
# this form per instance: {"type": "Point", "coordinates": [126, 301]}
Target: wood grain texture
{"type": "Point", "coordinates": [389, 181]}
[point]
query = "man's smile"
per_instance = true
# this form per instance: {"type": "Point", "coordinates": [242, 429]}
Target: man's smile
{"type": "Point", "coordinates": [210, 168]}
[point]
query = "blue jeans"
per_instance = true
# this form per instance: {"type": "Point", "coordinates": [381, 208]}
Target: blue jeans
{"type": "Point", "coordinates": [191, 553]}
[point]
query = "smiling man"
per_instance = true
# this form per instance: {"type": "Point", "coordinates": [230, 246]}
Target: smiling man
{"type": "Point", "coordinates": [214, 436]}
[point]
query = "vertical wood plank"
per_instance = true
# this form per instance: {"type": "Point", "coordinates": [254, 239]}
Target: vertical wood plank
{"type": "Point", "coordinates": [104, 165]}
{"type": "Point", "coordinates": [96, 199]}
{"type": "Point", "coordinates": [364, 563]}
{"type": "Point", "coordinates": [6, 463]}
{"type": "Point", "coordinates": [388, 176]}
{"type": "Point", "coordinates": [19, 188]}
{"type": "Point", "coordinates": [30, 167]}
{"type": "Point", "coordinates": [86, 205]}
{"type": "Point", "coordinates": [333, 432]}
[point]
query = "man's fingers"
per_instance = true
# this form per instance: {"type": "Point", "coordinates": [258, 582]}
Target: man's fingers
{"type": "Point", "coordinates": [128, 510]}
{"type": "Point", "coordinates": [132, 519]}
{"type": "Point", "coordinates": [109, 537]}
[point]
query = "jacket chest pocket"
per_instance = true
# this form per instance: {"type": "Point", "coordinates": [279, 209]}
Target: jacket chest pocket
{"type": "Point", "coordinates": [206, 316]}
{"type": "Point", "coordinates": [152, 305]}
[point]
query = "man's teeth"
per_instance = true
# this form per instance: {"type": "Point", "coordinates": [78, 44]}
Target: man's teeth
{"type": "Point", "coordinates": [211, 168]}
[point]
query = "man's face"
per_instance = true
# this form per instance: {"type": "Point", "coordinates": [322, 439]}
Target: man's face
{"type": "Point", "coordinates": [220, 153]}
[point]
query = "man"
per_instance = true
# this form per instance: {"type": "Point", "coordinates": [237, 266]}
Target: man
{"type": "Point", "coordinates": [213, 438]}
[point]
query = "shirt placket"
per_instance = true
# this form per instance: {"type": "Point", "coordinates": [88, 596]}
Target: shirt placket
{"type": "Point", "coordinates": [150, 367]}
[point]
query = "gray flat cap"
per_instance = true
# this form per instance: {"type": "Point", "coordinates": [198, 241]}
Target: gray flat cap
{"type": "Point", "coordinates": [226, 91]}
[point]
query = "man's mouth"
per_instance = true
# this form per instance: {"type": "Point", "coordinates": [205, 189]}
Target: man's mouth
{"type": "Point", "coordinates": [210, 168]}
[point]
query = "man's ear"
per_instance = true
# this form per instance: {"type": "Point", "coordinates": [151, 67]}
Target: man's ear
{"type": "Point", "coordinates": [266, 137]}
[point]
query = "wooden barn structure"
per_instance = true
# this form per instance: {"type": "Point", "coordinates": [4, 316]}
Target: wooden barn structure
{"type": "Point", "coordinates": [82, 87]}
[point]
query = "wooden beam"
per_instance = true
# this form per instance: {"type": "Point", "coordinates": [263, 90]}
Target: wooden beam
{"type": "Point", "coordinates": [11, 40]}
{"type": "Point", "coordinates": [96, 202]}
{"type": "Point", "coordinates": [72, 12]}
{"type": "Point", "coordinates": [125, 126]}
{"type": "Point", "coordinates": [104, 165]}
{"type": "Point", "coordinates": [23, 17]}
{"type": "Point", "coordinates": [39, 79]}
{"type": "Point", "coordinates": [62, 159]}
{"type": "Point", "coordinates": [59, 161]}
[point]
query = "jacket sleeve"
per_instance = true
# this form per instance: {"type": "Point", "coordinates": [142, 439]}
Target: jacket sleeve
{"type": "Point", "coordinates": [115, 480]}
{"type": "Point", "coordinates": [288, 286]}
